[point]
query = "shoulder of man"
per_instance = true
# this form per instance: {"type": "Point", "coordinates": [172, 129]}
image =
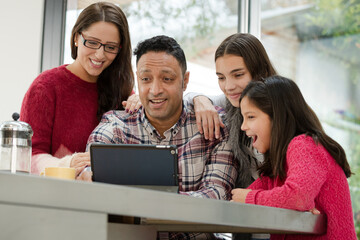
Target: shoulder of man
{"type": "Point", "coordinates": [221, 111]}
{"type": "Point", "coordinates": [120, 117]}
{"type": "Point", "coordinates": [190, 108]}
{"type": "Point", "coordinates": [114, 125]}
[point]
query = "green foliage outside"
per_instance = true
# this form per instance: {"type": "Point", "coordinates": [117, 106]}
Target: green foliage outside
{"type": "Point", "coordinates": [340, 21]}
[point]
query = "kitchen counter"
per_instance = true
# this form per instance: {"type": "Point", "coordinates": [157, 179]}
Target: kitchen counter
{"type": "Point", "coordinates": [33, 207]}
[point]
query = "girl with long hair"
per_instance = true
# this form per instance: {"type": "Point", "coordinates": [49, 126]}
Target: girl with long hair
{"type": "Point", "coordinates": [240, 59]}
{"type": "Point", "coordinates": [303, 167]}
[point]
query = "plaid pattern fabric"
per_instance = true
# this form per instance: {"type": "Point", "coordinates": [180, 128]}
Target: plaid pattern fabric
{"type": "Point", "coordinates": [207, 169]}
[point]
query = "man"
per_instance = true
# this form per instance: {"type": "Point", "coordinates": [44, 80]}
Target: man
{"type": "Point", "coordinates": [206, 168]}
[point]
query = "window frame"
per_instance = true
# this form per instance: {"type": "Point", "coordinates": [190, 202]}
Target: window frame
{"type": "Point", "coordinates": [53, 34]}
{"type": "Point", "coordinates": [52, 54]}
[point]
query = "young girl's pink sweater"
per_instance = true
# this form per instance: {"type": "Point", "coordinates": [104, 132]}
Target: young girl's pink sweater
{"type": "Point", "coordinates": [313, 179]}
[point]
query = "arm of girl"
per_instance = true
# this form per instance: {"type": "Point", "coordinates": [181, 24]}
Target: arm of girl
{"type": "Point", "coordinates": [207, 118]}
{"type": "Point", "coordinates": [260, 183]}
{"type": "Point", "coordinates": [306, 175]}
{"type": "Point", "coordinates": [239, 195]}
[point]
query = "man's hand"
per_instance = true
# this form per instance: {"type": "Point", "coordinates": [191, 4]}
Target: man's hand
{"type": "Point", "coordinates": [132, 104]}
{"type": "Point", "coordinates": [207, 118]}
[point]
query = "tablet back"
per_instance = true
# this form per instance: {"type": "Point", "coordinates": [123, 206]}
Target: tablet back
{"type": "Point", "coordinates": [149, 166]}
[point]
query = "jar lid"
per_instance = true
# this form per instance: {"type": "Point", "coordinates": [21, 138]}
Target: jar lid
{"type": "Point", "coordinates": [17, 126]}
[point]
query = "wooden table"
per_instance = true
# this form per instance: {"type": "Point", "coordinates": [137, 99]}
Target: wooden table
{"type": "Point", "coordinates": [33, 207]}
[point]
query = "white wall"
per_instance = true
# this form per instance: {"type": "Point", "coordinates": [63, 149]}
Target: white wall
{"type": "Point", "coordinates": [20, 55]}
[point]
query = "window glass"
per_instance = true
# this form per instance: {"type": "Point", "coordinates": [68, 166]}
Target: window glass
{"type": "Point", "coordinates": [317, 44]}
{"type": "Point", "coordinates": [199, 27]}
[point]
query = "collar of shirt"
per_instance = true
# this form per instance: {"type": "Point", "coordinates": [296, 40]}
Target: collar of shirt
{"type": "Point", "coordinates": [170, 133]}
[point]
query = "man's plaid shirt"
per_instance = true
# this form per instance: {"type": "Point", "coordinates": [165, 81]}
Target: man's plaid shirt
{"type": "Point", "coordinates": [206, 168]}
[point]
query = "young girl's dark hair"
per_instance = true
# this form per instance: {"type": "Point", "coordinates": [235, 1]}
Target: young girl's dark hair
{"type": "Point", "coordinates": [281, 99]}
{"type": "Point", "coordinates": [116, 82]}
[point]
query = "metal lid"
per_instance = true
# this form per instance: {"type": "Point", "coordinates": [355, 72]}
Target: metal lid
{"type": "Point", "coordinates": [17, 129]}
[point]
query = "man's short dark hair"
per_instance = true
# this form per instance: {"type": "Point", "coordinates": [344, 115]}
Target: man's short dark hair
{"type": "Point", "coordinates": [162, 44]}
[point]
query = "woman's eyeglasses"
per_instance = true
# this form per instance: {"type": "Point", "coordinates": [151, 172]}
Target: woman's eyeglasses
{"type": "Point", "coordinates": [110, 48]}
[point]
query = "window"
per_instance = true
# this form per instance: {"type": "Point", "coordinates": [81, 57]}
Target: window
{"type": "Point", "coordinates": [199, 27]}
{"type": "Point", "coordinates": [317, 44]}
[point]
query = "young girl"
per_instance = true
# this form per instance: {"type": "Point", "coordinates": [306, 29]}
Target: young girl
{"type": "Point", "coordinates": [303, 167]}
{"type": "Point", "coordinates": [63, 105]}
{"type": "Point", "coordinates": [239, 59]}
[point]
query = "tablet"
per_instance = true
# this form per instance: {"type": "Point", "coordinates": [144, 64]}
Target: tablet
{"type": "Point", "coordinates": [147, 166]}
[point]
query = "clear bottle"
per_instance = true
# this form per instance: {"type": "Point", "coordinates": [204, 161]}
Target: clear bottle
{"type": "Point", "coordinates": [15, 146]}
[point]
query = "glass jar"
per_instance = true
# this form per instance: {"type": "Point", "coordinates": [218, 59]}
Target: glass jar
{"type": "Point", "coordinates": [15, 146]}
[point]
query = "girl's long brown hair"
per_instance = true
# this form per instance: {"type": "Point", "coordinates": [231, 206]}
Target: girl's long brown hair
{"type": "Point", "coordinates": [281, 99]}
{"type": "Point", "coordinates": [259, 65]}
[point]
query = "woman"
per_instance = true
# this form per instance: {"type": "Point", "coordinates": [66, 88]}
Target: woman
{"type": "Point", "coordinates": [63, 105]}
{"type": "Point", "coordinates": [303, 167]}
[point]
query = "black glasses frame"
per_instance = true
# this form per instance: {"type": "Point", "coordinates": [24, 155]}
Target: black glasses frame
{"type": "Point", "coordinates": [84, 40]}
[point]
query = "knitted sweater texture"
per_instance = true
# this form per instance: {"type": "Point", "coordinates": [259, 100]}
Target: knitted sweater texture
{"type": "Point", "coordinates": [61, 109]}
{"type": "Point", "coordinates": [313, 179]}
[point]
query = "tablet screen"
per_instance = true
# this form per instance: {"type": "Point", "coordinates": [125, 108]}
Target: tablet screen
{"type": "Point", "coordinates": [134, 164]}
